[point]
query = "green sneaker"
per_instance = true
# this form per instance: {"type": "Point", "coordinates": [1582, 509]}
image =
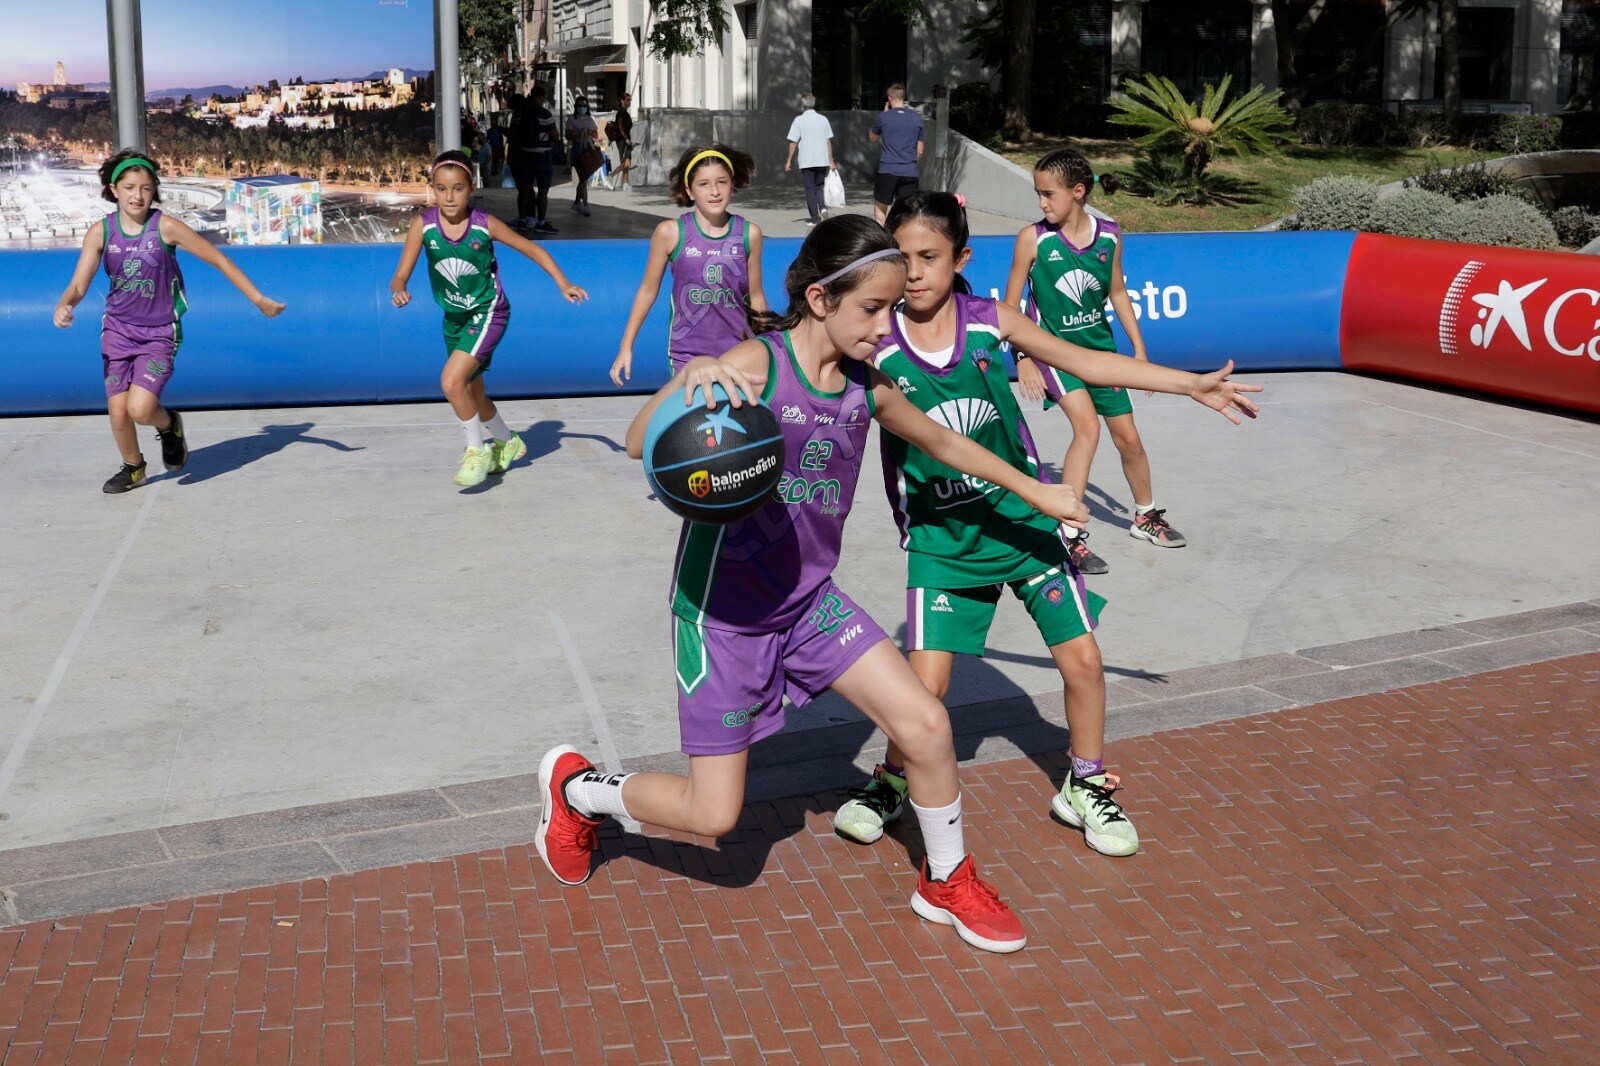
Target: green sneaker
{"type": "Point", "coordinates": [506, 452]}
{"type": "Point", "coordinates": [474, 466]}
{"type": "Point", "coordinates": [869, 809]}
{"type": "Point", "coordinates": [1085, 803]}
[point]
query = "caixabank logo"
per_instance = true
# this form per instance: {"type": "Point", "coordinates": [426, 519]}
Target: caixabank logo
{"type": "Point", "coordinates": [1483, 306]}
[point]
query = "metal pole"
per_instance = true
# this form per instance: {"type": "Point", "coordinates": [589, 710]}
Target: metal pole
{"type": "Point", "coordinates": [127, 74]}
{"type": "Point", "coordinates": [446, 75]}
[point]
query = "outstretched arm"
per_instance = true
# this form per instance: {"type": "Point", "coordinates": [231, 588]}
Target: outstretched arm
{"type": "Point", "coordinates": [504, 234]}
{"type": "Point", "coordinates": [904, 419]}
{"type": "Point", "coordinates": [1109, 369]}
{"type": "Point", "coordinates": [741, 373]}
{"type": "Point", "coordinates": [94, 243]}
{"type": "Point", "coordinates": [179, 235]}
{"type": "Point", "coordinates": [408, 262]}
{"type": "Point", "coordinates": [662, 241]}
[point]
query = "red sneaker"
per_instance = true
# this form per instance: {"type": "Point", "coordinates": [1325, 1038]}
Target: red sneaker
{"type": "Point", "coordinates": [566, 836]}
{"type": "Point", "coordinates": [981, 918]}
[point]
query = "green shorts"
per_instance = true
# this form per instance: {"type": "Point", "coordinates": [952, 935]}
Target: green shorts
{"type": "Point", "coordinates": [958, 620]}
{"type": "Point", "coordinates": [477, 333]}
{"type": "Point", "coordinates": [1108, 402]}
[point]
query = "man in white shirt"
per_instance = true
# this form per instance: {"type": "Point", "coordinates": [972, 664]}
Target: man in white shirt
{"type": "Point", "coordinates": [812, 134]}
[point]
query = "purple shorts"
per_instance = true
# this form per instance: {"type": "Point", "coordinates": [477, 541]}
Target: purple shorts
{"type": "Point", "coordinates": [129, 361]}
{"type": "Point", "coordinates": [477, 333]}
{"type": "Point", "coordinates": [731, 685]}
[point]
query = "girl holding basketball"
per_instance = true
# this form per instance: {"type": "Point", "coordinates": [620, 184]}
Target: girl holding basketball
{"type": "Point", "coordinates": [141, 330]}
{"type": "Point", "coordinates": [757, 613]}
{"type": "Point", "coordinates": [965, 540]}
{"type": "Point", "coordinates": [459, 240]}
{"type": "Point", "coordinates": [1071, 264]}
{"type": "Point", "coordinates": [715, 260]}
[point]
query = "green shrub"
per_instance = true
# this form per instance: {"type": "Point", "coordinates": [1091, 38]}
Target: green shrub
{"type": "Point", "coordinates": [1575, 227]}
{"type": "Point", "coordinates": [1426, 129]}
{"type": "Point", "coordinates": [1472, 181]}
{"type": "Point", "coordinates": [976, 112]}
{"type": "Point", "coordinates": [1337, 201]}
{"type": "Point", "coordinates": [1336, 124]}
{"type": "Point", "coordinates": [1415, 213]}
{"type": "Point", "coordinates": [1505, 221]}
{"type": "Point", "coordinates": [1514, 134]}
{"type": "Point", "coordinates": [1162, 177]}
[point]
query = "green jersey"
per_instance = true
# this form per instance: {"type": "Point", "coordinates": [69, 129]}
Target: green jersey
{"type": "Point", "coordinates": [959, 531]}
{"type": "Point", "coordinates": [463, 272]}
{"type": "Point", "coordinates": [1069, 286]}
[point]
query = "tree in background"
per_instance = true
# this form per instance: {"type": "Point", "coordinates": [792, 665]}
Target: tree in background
{"type": "Point", "coordinates": [1182, 137]}
{"type": "Point", "coordinates": [488, 28]}
{"type": "Point", "coordinates": [1062, 95]}
{"type": "Point", "coordinates": [1020, 17]}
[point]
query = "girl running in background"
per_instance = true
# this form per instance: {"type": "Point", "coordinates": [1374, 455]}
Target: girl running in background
{"type": "Point", "coordinates": [715, 258]}
{"type": "Point", "coordinates": [459, 240]}
{"type": "Point", "coordinates": [757, 612]}
{"type": "Point", "coordinates": [141, 330]}
{"type": "Point", "coordinates": [966, 539]}
{"type": "Point", "coordinates": [1071, 263]}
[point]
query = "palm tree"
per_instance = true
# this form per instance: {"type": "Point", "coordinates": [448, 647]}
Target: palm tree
{"type": "Point", "coordinates": [1176, 127]}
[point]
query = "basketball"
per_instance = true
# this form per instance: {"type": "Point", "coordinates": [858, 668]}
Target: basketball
{"type": "Point", "coordinates": [713, 465]}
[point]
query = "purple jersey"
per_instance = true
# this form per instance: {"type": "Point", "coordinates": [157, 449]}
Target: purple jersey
{"type": "Point", "coordinates": [146, 297]}
{"type": "Point", "coordinates": [710, 285]}
{"type": "Point", "coordinates": [762, 574]}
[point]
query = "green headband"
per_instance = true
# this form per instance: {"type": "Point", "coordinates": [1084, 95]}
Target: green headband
{"type": "Point", "coordinates": [132, 161]}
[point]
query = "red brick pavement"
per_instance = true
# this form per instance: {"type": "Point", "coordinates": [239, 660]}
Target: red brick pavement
{"type": "Point", "coordinates": [1387, 877]}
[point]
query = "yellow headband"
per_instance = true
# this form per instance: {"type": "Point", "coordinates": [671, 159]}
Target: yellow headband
{"type": "Point", "coordinates": [709, 153]}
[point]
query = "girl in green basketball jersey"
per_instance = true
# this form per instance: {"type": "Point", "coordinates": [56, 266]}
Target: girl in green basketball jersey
{"type": "Point", "coordinates": [966, 539]}
{"type": "Point", "coordinates": [459, 240]}
{"type": "Point", "coordinates": [1071, 263]}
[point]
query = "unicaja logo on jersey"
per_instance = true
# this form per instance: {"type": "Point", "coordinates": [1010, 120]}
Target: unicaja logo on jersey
{"type": "Point", "coordinates": [966, 415]}
{"type": "Point", "coordinates": [1567, 325]}
{"type": "Point", "coordinates": [453, 270]}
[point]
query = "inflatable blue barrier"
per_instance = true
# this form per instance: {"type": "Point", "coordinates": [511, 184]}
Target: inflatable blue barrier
{"type": "Point", "coordinates": [1269, 301]}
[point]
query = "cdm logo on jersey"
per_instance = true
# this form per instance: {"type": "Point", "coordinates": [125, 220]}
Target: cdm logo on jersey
{"type": "Point", "coordinates": [1567, 322]}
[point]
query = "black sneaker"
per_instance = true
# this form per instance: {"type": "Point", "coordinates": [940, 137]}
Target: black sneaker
{"type": "Point", "coordinates": [1085, 560]}
{"type": "Point", "coordinates": [129, 477]}
{"type": "Point", "coordinates": [174, 448]}
{"type": "Point", "coordinates": [543, 226]}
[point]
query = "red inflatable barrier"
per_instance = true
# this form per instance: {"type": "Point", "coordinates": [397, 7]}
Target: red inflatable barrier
{"type": "Point", "coordinates": [1500, 320]}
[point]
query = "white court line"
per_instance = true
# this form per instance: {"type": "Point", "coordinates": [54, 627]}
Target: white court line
{"type": "Point", "coordinates": [1489, 432]}
{"type": "Point", "coordinates": [609, 757]}
{"type": "Point", "coordinates": [19, 747]}
{"type": "Point", "coordinates": [317, 426]}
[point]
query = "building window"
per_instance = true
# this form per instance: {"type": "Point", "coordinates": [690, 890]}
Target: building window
{"type": "Point", "coordinates": [854, 59]}
{"type": "Point", "coordinates": [1197, 42]}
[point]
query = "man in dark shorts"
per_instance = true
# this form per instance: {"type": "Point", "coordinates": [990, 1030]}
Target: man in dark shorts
{"type": "Point", "coordinates": [900, 130]}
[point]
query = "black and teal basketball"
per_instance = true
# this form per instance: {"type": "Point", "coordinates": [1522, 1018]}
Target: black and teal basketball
{"type": "Point", "coordinates": [714, 464]}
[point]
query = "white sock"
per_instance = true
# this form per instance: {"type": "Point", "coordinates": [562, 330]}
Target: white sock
{"type": "Point", "coordinates": [1143, 508]}
{"type": "Point", "coordinates": [496, 428]}
{"type": "Point", "coordinates": [595, 793]}
{"type": "Point", "coordinates": [943, 838]}
{"type": "Point", "coordinates": [473, 428]}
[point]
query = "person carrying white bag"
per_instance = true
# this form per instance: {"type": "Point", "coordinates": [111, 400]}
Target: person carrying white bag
{"type": "Point", "coordinates": [833, 191]}
{"type": "Point", "coordinates": [812, 134]}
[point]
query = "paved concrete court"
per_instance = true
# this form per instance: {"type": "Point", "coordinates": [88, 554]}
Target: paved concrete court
{"type": "Point", "coordinates": [312, 612]}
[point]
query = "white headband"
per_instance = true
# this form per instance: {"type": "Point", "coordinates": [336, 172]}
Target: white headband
{"type": "Point", "coordinates": [863, 261]}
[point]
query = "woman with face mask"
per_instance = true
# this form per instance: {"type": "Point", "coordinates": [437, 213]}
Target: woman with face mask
{"type": "Point", "coordinates": [582, 133]}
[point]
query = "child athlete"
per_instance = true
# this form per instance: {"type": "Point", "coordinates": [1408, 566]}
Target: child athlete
{"type": "Point", "coordinates": [966, 539]}
{"type": "Point", "coordinates": [141, 331]}
{"type": "Point", "coordinates": [758, 615]}
{"type": "Point", "coordinates": [460, 240]}
{"type": "Point", "coordinates": [714, 256]}
{"type": "Point", "coordinates": [1071, 263]}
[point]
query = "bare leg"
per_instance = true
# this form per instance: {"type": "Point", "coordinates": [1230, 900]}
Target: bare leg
{"type": "Point", "coordinates": [707, 803]}
{"type": "Point", "coordinates": [883, 687]}
{"type": "Point", "coordinates": [933, 670]}
{"type": "Point", "coordinates": [1084, 693]}
{"type": "Point", "coordinates": [1135, 463]}
{"type": "Point", "coordinates": [457, 385]}
{"type": "Point", "coordinates": [480, 399]}
{"type": "Point", "coordinates": [1085, 439]}
{"type": "Point", "coordinates": [122, 430]}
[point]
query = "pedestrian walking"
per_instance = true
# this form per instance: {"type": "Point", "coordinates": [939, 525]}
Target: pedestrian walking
{"type": "Point", "coordinates": [900, 130]}
{"type": "Point", "coordinates": [811, 135]}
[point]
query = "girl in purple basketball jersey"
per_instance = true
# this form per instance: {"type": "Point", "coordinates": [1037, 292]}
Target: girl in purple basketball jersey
{"type": "Point", "coordinates": [715, 260]}
{"type": "Point", "coordinates": [757, 614]}
{"type": "Point", "coordinates": [140, 331]}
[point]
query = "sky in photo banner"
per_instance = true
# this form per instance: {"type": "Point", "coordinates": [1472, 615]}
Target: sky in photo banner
{"type": "Point", "coordinates": [191, 43]}
{"type": "Point", "coordinates": [38, 34]}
